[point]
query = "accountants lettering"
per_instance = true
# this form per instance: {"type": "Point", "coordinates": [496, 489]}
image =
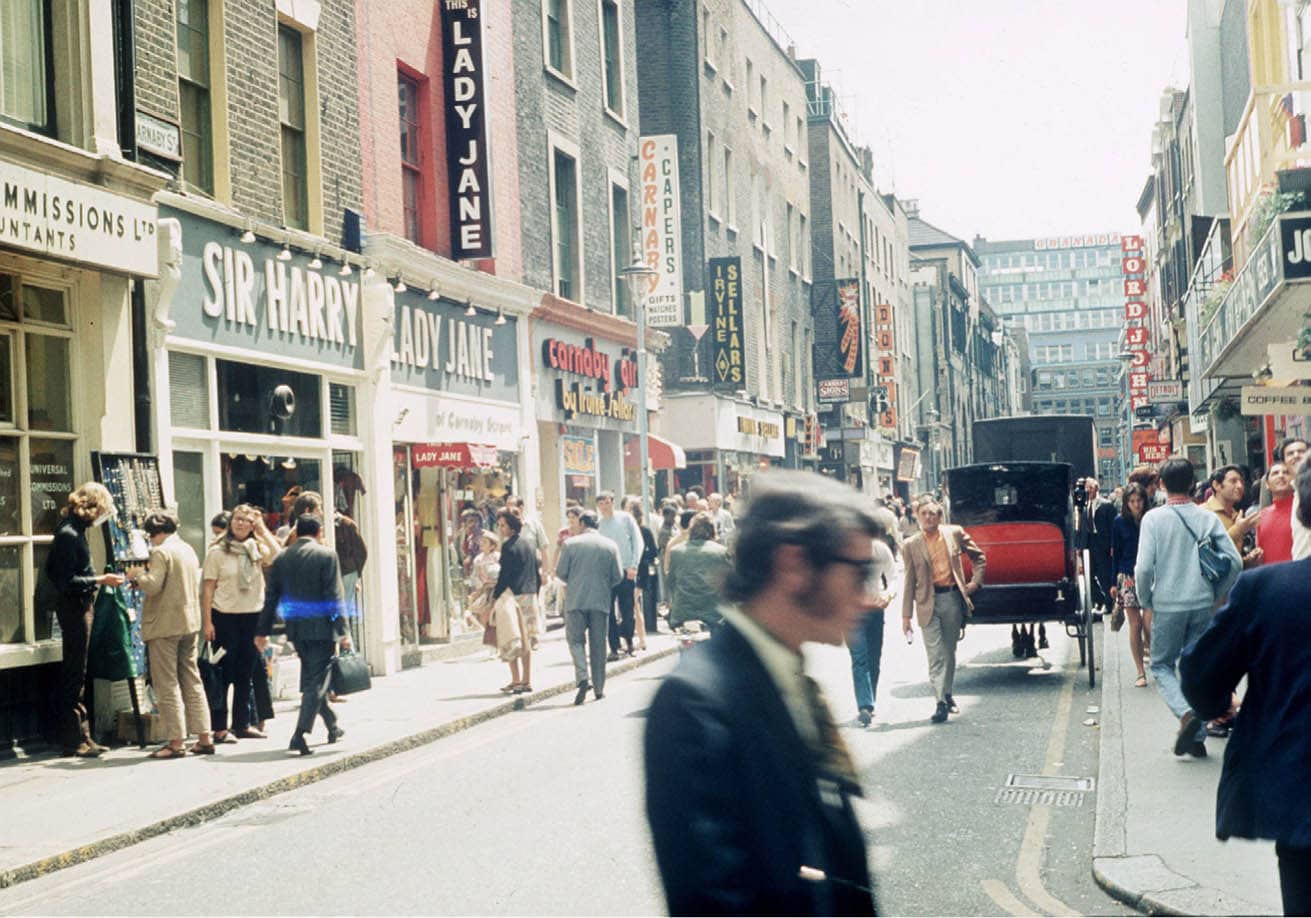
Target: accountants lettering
{"type": "Point", "coordinates": [52, 216]}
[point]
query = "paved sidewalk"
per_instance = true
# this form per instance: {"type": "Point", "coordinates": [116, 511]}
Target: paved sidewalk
{"type": "Point", "coordinates": [59, 811]}
{"type": "Point", "coordinates": [1155, 846]}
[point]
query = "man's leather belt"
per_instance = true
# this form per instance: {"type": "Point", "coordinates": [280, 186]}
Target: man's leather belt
{"type": "Point", "coordinates": [943, 589]}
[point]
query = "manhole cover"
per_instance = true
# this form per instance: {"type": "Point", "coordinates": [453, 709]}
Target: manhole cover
{"type": "Point", "coordinates": [1031, 797]}
{"type": "Point", "coordinates": [1051, 782]}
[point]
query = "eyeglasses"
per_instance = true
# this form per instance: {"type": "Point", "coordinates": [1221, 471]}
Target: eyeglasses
{"type": "Point", "coordinates": [865, 566]}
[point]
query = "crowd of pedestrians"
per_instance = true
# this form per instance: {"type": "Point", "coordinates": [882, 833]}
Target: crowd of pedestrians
{"type": "Point", "coordinates": [206, 624]}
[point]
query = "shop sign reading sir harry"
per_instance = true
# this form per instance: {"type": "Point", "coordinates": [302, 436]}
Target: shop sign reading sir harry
{"type": "Point", "coordinates": [245, 296]}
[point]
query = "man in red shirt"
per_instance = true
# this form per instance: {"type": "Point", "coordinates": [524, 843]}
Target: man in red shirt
{"type": "Point", "coordinates": [1274, 534]}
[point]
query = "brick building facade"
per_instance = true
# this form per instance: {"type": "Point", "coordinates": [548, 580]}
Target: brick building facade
{"type": "Point", "coordinates": [740, 120]}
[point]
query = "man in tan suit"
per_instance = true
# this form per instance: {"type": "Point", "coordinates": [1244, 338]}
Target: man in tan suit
{"type": "Point", "coordinates": [936, 593]}
{"type": "Point", "coordinates": [170, 626]}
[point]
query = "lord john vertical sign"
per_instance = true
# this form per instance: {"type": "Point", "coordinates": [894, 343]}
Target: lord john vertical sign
{"type": "Point", "coordinates": [466, 129]}
{"type": "Point", "coordinates": [727, 348]}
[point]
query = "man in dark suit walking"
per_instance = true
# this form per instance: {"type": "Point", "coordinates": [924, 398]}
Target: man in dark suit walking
{"type": "Point", "coordinates": [303, 587]}
{"type": "Point", "coordinates": [1263, 633]}
{"type": "Point", "coordinates": [748, 783]}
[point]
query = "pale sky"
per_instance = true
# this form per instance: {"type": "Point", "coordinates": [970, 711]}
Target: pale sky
{"type": "Point", "coordinates": [1007, 118]}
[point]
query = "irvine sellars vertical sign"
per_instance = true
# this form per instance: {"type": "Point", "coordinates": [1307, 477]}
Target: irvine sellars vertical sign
{"type": "Point", "coordinates": [660, 229]}
{"type": "Point", "coordinates": [466, 129]}
{"type": "Point", "coordinates": [727, 347]}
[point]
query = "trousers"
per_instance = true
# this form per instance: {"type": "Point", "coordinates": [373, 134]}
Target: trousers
{"type": "Point", "coordinates": [235, 633]}
{"type": "Point", "coordinates": [585, 631]}
{"type": "Point", "coordinates": [865, 644]}
{"type": "Point", "coordinates": [1171, 633]}
{"type": "Point", "coordinates": [175, 675]}
{"type": "Point", "coordinates": [1294, 878]}
{"type": "Point", "coordinates": [75, 613]}
{"type": "Point", "coordinates": [315, 680]}
{"type": "Point", "coordinates": [941, 635]}
{"type": "Point", "coordinates": [621, 621]}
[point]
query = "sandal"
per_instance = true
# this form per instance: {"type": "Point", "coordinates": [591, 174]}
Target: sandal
{"type": "Point", "coordinates": [523, 688]}
{"type": "Point", "coordinates": [510, 688]}
{"type": "Point", "coordinates": [249, 733]}
{"type": "Point", "coordinates": [1140, 682]}
{"type": "Point", "coordinates": [201, 749]}
{"type": "Point", "coordinates": [224, 737]}
{"type": "Point", "coordinates": [167, 752]}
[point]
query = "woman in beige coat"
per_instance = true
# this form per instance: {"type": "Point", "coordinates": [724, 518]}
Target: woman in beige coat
{"type": "Point", "coordinates": [170, 625]}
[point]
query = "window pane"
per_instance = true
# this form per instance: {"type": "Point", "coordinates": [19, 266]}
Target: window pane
{"type": "Point", "coordinates": [6, 379]}
{"type": "Point", "coordinates": [623, 248]}
{"type": "Point", "coordinates": [614, 95]}
{"type": "Point", "coordinates": [8, 305]}
{"type": "Point", "coordinates": [47, 384]}
{"type": "Point", "coordinates": [566, 226]}
{"type": "Point", "coordinates": [45, 618]}
{"type": "Point", "coordinates": [410, 203]}
{"type": "Point", "coordinates": [188, 391]}
{"type": "Point", "coordinates": [193, 40]}
{"type": "Point", "coordinates": [189, 487]}
{"type": "Point", "coordinates": [44, 305]}
{"type": "Point", "coordinates": [248, 402]}
{"type": "Point", "coordinates": [11, 511]}
{"type": "Point", "coordinates": [409, 118]}
{"type": "Point", "coordinates": [341, 409]}
{"type": "Point", "coordinates": [295, 207]}
{"type": "Point", "coordinates": [197, 148]}
{"type": "Point", "coordinates": [52, 480]}
{"type": "Point", "coordinates": [557, 35]}
{"type": "Point", "coordinates": [11, 594]}
{"type": "Point", "coordinates": [291, 78]}
{"type": "Point", "coordinates": [23, 62]}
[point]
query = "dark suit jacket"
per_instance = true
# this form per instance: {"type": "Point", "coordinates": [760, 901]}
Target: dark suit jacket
{"type": "Point", "coordinates": [1264, 633]}
{"type": "Point", "coordinates": [303, 589]}
{"type": "Point", "coordinates": [733, 798]}
{"type": "Point", "coordinates": [518, 569]}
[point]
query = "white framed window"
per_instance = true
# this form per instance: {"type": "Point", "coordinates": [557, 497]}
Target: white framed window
{"type": "Point", "coordinates": [566, 228]}
{"type": "Point", "coordinates": [39, 431]}
{"type": "Point", "coordinates": [802, 142]}
{"type": "Point", "coordinates": [558, 37]}
{"type": "Point", "coordinates": [612, 57]}
{"type": "Point", "coordinates": [621, 244]}
{"type": "Point", "coordinates": [803, 235]}
{"type": "Point", "coordinates": [298, 112]}
{"type": "Point", "coordinates": [729, 201]}
{"type": "Point", "coordinates": [752, 111]}
{"type": "Point", "coordinates": [788, 149]}
{"type": "Point", "coordinates": [764, 104]}
{"type": "Point", "coordinates": [707, 39]}
{"type": "Point", "coordinates": [712, 176]}
{"type": "Point", "coordinates": [790, 236]}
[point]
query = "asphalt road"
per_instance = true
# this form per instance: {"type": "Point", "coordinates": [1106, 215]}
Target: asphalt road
{"type": "Point", "coordinates": [541, 812]}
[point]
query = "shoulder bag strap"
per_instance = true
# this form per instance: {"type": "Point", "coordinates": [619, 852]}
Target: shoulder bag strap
{"type": "Point", "coordinates": [1186, 526]}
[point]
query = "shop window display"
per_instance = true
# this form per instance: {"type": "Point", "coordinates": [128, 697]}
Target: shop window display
{"type": "Point", "coordinates": [268, 400]}
{"type": "Point", "coordinates": [435, 546]}
{"type": "Point", "coordinates": [38, 441]}
{"type": "Point", "coordinates": [268, 482]}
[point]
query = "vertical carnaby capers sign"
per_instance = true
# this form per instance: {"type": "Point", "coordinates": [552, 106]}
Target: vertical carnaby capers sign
{"type": "Point", "coordinates": [466, 129]}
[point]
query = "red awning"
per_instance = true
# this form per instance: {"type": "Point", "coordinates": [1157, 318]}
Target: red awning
{"type": "Point", "coordinates": [661, 453]}
{"type": "Point", "coordinates": [453, 456]}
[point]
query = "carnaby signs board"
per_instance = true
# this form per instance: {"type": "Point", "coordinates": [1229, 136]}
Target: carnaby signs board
{"type": "Point", "coordinates": [585, 381]}
{"type": "Point", "coordinates": [727, 345]}
{"type": "Point", "coordinates": [467, 155]}
{"type": "Point", "coordinates": [243, 295]}
{"type": "Point", "coordinates": [436, 346]}
{"type": "Point", "coordinates": [660, 229]}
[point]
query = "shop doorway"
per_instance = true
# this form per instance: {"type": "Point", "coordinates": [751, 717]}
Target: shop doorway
{"type": "Point", "coordinates": [441, 511]}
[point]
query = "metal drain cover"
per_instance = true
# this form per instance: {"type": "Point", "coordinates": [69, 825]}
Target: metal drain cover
{"type": "Point", "coordinates": [1044, 790]}
{"type": "Point", "coordinates": [1051, 782]}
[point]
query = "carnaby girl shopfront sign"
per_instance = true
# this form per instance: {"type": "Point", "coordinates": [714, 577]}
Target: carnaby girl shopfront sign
{"type": "Point", "coordinates": [585, 380]}
{"type": "Point", "coordinates": [245, 295]}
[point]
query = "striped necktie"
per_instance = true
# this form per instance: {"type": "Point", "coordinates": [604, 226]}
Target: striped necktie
{"type": "Point", "coordinates": [831, 753]}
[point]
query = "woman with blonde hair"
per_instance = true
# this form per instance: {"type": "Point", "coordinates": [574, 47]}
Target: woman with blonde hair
{"type": "Point", "coordinates": [231, 599]}
{"type": "Point", "coordinates": [69, 570]}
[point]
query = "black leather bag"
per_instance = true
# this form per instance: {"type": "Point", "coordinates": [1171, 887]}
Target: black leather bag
{"type": "Point", "coordinates": [350, 674]}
